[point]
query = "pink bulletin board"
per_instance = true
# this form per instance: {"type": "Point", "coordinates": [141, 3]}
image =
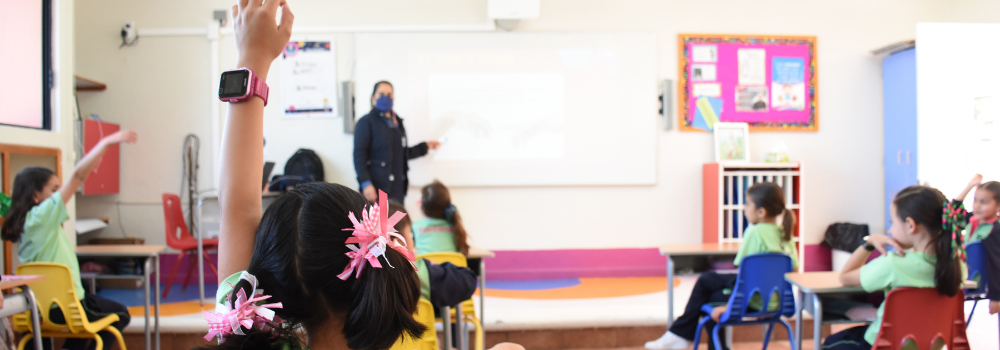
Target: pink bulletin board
{"type": "Point", "coordinates": [766, 81]}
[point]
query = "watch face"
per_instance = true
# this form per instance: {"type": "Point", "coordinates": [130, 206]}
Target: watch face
{"type": "Point", "coordinates": [234, 83]}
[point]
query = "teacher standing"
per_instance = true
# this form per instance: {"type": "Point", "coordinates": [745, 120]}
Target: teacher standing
{"type": "Point", "coordinates": [381, 154]}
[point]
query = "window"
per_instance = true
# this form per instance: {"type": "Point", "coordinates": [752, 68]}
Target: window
{"type": "Point", "coordinates": [25, 94]}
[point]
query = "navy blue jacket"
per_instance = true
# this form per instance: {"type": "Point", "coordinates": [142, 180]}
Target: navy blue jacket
{"type": "Point", "coordinates": [381, 158]}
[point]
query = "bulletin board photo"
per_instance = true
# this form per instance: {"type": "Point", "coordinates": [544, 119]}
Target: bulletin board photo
{"type": "Point", "coordinates": [766, 81]}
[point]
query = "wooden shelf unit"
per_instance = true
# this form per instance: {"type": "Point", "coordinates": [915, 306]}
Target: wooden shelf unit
{"type": "Point", "coordinates": [724, 194]}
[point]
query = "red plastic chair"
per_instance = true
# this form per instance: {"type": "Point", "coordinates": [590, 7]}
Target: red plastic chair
{"type": "Point", "coordinates": [187, 244]}
{"type": "Point", "coordinates": [923, 316]}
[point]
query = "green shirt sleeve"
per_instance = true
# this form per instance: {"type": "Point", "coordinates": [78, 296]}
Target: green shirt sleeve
{"type": "Point", "coordinates": [751, 245]}
{"type": "Point", "coordinates": [51, 211]}
{"type": "Point", "coordinates": [877, 274]}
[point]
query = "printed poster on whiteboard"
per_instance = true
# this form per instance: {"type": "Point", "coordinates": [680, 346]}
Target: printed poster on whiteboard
{"type": "Point", "coordinates": [309, 80]}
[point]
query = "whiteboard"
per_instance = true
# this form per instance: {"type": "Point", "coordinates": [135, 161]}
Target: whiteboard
{"type": "Point", "coordinates": [520, 109]}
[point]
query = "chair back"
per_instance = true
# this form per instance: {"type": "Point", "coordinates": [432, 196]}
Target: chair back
{"type": "Point", "coordinates": [975, 258]}
{"type": "Point", "coordinates": [456, 259]}
{"type": "Point", "coordinates": [426, 341]}
{"type": "Point", "coordinates": [173, 218]}
{"type": "Point", "coordinates": [763, 275]}
{"type": "Point", "coordinates": [937, 317]}
{"type": "Point", "coordinates": [56, 289]}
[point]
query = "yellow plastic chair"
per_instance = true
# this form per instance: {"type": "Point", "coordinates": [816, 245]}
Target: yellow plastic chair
{"type": "Point", "coordinates": [57, 288]}
{"type": "Point", "coordinates": [427, 341]}
{"type": "Point", "coordinates": [458, 259]}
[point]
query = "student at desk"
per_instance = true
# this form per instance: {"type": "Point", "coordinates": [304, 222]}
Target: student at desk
{"type": "Point", "coordinates": [35, 223]}
{"type": "Point", "coordinates": [765, 203]}
{"type": "Point", "coordinates": [935, 261]}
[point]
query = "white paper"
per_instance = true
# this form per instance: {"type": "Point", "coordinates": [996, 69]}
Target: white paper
{"type": "Point", "coordinates": [704, 53]}
{"type": "Point", "coordinates": [752, 66]}
{"type": "Point", "coordinates": [506, 116]}
{"type": "Point", "coordinates": [703, 72]}
{"type": "Point", "coordinates": [309, 80]}
{"type": "Point", "coordinates": [88, 225]}
{"type": "Point", "coordinates": [710, 90]}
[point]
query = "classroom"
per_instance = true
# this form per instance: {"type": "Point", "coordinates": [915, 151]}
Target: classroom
{"type": "Point", "coordinates": [571, 174]}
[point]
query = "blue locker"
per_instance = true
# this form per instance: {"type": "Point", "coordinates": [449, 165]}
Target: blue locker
{"type": "Point", "coordinates": [899, 121]}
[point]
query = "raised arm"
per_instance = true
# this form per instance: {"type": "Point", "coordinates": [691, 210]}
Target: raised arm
{"type": "Point", "coordinates": [259, 40]}
{"type": "Point", "coordinates": [976, 180]}
{"type": "Point", "coordinates": [90, 161]}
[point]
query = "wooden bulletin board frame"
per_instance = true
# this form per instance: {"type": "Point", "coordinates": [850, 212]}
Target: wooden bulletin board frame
{"type": "Point", "coordinates": [6, 151]}
{"type": "Point", "coordinates": [780, 122]}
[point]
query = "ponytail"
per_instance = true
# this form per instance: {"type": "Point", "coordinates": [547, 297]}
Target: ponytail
{"type": "Point", "coordinates": [787, 224]}
{"type": "Point", "coordinates": [28, 181]}
{"type": "Point", "coordinates": [926, 206]}
{"type": "Point", "coordinates": [459, 231]}
{"type": "Point", "coordinates": [769, 196]}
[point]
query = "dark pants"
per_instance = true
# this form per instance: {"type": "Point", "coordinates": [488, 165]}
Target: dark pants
{"type": "Point", "coordinates": [708, 289]}
{"type": "Point", "coordinates": [848, 339]}
{"type": "Point", "coordinates": [95, 308]}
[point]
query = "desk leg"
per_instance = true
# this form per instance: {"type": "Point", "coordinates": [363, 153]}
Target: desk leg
{"type": "Point", "coordinates": [201, 262]}
{"type": "Point", "coordinates": [156, 327]}
{"type": "Point", "coordinates": [670, 291]}
{"type": "Point", "coordinates": [145, 285]}
{"type": "Point", "coordinates": [799, 306]}
{"type": "Point", "coordinates": [482, 292]}
{"type": "Point", "coordinates": [446, 318]}
{"type": "Point", "coordinates": [36, 325]}
{"type": "Point", "coordinates": [817, 322]}
{"type": "Point", "coordinates": [463, 335]}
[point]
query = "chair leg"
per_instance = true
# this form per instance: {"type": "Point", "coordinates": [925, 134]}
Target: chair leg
{"type": "Point", "coordinates": [971, 313]}
{"type": "Point", "coordinates": [173, 272]}
{"type": "Point", "coordinates": [715, 336]}
{"type": "Point", "coordinates": [191, 269]}
{"type": "Point", "coordinates": [767, 336]}
{"type": "Point", "coordinates": [791, 337]}
{"type": "Point", "coordinates": [100, 342]}
{"type": "Point", "coordinates": [697, 331]}
{"type": "Point", "coordinates": [24, 340]}
{"type": "Point", "coordinates": [118, 335]}
{"type": "Point", "coordinates": [210, 264]}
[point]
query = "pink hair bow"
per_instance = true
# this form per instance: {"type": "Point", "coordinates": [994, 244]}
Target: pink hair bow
{"type": "Point", "coordinates": [372, 236]}
{"type": "Point", "coordinates": [242, 312]}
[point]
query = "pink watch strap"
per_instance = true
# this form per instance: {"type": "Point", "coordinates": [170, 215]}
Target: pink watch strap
{"type": "Point", "coordinates": [260, 88]}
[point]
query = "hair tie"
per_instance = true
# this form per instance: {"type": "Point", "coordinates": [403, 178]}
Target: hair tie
{"type": "Point", "coordinates": [449, 212]}
{"type": "Point", "coordinates": [953, 221]}
{"type": "Point", "coordinates": [372, 236]}
{"type": "Point", "coordinates": [242, 312]}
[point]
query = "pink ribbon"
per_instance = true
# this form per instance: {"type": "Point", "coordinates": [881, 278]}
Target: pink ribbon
{"type": "Point", "coordinates": [371, 237]}
{"type": "Point", "coordinates": [243, 312]}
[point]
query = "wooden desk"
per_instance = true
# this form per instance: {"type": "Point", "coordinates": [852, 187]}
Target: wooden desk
{"type": "Point", "coordinates": [706, 249]}
{"type": "Point", "coordinates": [16, 281]}
{"type": "Point", "coordinates": [815, 284]}
{"type": "Point", "coordinates": [151, 253]}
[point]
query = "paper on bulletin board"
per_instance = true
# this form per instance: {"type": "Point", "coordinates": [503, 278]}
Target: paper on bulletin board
{"type": "Point", "coordinates": [309, 80]}
{"type": "Point", "coordinates": [751, 98]}
{"type": "Point", "coordinates": [703, 72]}
{"type": "Point", "coordinates": [788, 88]}
{"type": "Point", "coordinates": [704, 53]}
{"type": "Point", "coordinates": [707, 89]}
{"type": "Point", "coordinates": [707, 113]}
{"type": "Point", "coordinates": [752, 66]}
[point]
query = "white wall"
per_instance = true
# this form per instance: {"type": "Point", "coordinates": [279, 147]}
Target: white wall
{"type": "Point", "coordinates": [842, 162]}
{"type": "Point", "coordinates": [63, 110]}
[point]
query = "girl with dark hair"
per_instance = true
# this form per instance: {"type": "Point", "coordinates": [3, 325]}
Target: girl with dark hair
{"type": "Point", "coordinates": [381, 150]}
{"type": "Point", "coordinates": [935, 261]}
{"type": "Point", "coordinates": [34, 221]}
{"type": "Point", "coordinates": [764, 207]}
{"type": "Point", "coordinates": [442, 229]}
{"type": "Point", "coordinates": [985, 206]}
{"type": "Point", "coordinates": [321, 268]}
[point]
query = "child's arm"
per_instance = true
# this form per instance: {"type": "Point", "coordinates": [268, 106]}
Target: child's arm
{"type": "Point", "coordinates": [86, 165]}
{"type": "Point", "coordinates": [851, 273]}
{"type": "Point", "coordinates": [259, 39]}
{"type": "Point", "coordinates": [976, 180]}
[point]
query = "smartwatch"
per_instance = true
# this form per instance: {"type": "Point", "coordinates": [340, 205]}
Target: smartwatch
{"type": "Point", "coordinates": [241, 84]}
{"type": "Point", "coordinates": [868, 246]}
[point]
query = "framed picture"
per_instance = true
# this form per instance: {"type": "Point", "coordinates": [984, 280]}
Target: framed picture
{"type": "Point", "coordinates": [732, 144]}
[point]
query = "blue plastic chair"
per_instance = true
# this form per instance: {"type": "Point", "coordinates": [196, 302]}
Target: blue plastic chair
{"type": "Point", "coordinates": [975, 259]}
{"type": "Point", "coordinates": [762, 274]}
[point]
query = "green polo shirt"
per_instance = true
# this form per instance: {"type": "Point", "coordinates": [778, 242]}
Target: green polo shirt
{"type": "Point", "coordinates": [44, 240]}
{"type": "Point", "coordinates": [888, 272]}
{"type": "Point", "coordinates": [432, 235]}
{"type": "Point", "coordinates": [766, 238]}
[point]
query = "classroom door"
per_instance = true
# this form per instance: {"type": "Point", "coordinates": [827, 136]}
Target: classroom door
{"type": "Point", "coordinates": [899, 119]}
